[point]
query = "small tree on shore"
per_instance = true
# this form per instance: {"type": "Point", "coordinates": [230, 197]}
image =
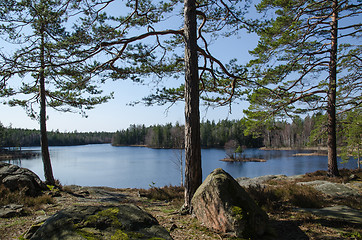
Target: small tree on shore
{"type": "Point", "coordinates": [239, 150]}
{"type": "Point", "coordinates": [230, 148]}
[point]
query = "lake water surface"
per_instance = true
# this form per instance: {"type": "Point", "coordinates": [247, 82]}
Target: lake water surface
{"type": "Point", "coordinates": [140, 167]}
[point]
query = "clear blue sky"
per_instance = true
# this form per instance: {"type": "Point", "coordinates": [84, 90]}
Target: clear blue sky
{"type": "Point", "coordinates": [116, 114]}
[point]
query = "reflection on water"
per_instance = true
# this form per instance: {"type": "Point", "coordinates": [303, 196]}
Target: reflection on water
{"type": "Point", "coordinates": [138, 167]}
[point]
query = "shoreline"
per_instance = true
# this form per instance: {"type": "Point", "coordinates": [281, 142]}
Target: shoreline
{"type": "Point", "coordinates": [294, 149]}
{"type": "Point", "coordinates": [309, 154]}
{"type": "Point", "coordinates": [243, 160]}
{"type": "Point", "coordinates": [16, 154]}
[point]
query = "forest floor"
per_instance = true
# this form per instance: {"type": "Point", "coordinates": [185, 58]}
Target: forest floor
{"type": "Point", "coordinates": [286, 220]}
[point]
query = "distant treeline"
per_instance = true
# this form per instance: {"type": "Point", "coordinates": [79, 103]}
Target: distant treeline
{"type": "Point", "coordinates": [213, 135]}
{"type": "Point", "coordinates": [15, 137]}
{"type": "Point", "coordinates": [277, 134]}
{"type": "Point", "coordinates": [172, 136]}
{"type": "Point", "coordinates": [293, 135]}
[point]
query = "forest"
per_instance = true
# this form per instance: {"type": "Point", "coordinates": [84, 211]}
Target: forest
{"type": "Point", "coordinates": [16, 137]}
{"type": "Point", "coordinates": [155, 136]}
{"type": "Point", "coordinates": [296, 134]}
{"type": "Point", "coordinates": [299, 133]}
{"type": "Point", "coordinates": [278, 134]}
{"type": "Point", "coordinates": [213, 135]}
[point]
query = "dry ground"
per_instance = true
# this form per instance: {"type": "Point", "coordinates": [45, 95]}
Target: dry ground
{"type": "Point", "coordinates": [286, 222]}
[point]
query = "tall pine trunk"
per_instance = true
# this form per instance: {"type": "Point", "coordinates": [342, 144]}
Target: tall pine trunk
{"type": "Point", "coordinates": [48, 172]}
{"type": "Point", "coordinates": [331, 111]}
{"type": "Point", "coordinates": [358, 157]}
{"type": "Point", "coordinates": [193, 172]}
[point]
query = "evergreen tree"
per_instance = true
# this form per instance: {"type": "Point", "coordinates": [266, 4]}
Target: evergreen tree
{"type": "Point", "coordinates": [132, 56]}
{"type": "Point", "coordinates": [298, 58]}
{"type": "Point", "coordinates": [43, 69]}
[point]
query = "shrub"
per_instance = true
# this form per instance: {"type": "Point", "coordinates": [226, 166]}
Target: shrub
{"type": "Point", "coordinates": [302, 196]}
{"type": "Point", "coordinates": [323, 175]}
{"type": "Point", "coordinates": [286, 193]}
{"type": "Point", "coordinates": [19, 197]}
{"type": "Point", "coordinates": [167, 193]}
{"type": "Point", "coordinates": [265, 197]}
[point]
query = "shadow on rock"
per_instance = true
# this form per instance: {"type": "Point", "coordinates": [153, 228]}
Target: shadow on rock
{"type": "Point", "coordinates": [288, 230]}
{"type": "Point", "coordinates": [124, 221]}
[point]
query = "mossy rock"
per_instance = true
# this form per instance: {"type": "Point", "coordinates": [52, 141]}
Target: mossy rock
{"type": "Point", "coordinates": [124, 221]}
{"type": "Point", "coordinates": [220, 203]}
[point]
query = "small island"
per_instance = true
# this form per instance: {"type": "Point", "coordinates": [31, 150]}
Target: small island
{"type": "Point", "coordinates": [243, 160]}
{"type": "Point", "coordinates": [235, 153]}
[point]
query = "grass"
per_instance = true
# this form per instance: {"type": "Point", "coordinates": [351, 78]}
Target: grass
{"type": "Point", "coordinates": [355, 235]}
{"type": "Point", "coordinates": [166, 193]}
{"type": "Point", "coordinates": [275, 197]}
{"type": "Point", "coordinates": [352, 202]}
{"type": "Point", "coordinates": [278, 195]}
{"type": "Point", "coordinates": [17, 221]}
{"type": "Point", "coordinates": [67, 189]}
{"type": "Point", "coordinates": [19, 197]}
{"type": "Point", "coordinates": [323, 175]}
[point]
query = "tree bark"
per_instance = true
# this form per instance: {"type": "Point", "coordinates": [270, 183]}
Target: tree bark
{"type": "Point", "coordinates": [331, 111]}
{"type": "Point", "coordinates": [193, 172]}
{"type": "Point", "coordinates": [182, 168]}
{"type": "Point", "coordinates": [48, 172]}
{"type": "Point", "coordinates": [358, 158]}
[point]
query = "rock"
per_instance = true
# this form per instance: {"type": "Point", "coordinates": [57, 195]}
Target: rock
{"type": "Point", "coordinates": [101, 222]}
{"type": "Point", "coordinates": [247, 182]}
{"type": "Point", "coordinates": [295, 177]}
{"type": "Point", "coordinates": [223, 205]}
{"type": "Point", "coordinates": [338, 212]}
{"type": "Point", "coordinates": [12, 210]}
{"type": "Point", "coordinates": [35, 227]}
{"type": "Point", "coordinates": [356, 185]}
{"type": "Point", "coordinates": [353, 177]}
{"type": "Point", "coordinates": [331, 189]}
{"type": "Point", "coordinates": [17, 178]}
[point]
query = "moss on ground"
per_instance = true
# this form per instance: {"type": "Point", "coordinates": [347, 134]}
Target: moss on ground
{"type": "Point", "coordinates": [106, 215]}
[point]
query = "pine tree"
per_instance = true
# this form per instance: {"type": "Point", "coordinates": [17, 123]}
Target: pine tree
{"type": "Point", "coordinates": [302, 47]}
{"type": "Point", "coordinates": [133, 56]}
{"type": "Point", "coordinates": [44, 65]}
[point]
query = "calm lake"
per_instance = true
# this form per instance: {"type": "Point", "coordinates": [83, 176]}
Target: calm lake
{"type": "Point", "coordinates": [140, 167]}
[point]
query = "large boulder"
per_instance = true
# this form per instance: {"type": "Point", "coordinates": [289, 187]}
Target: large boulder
{"type": "Point", "coordinates": [100, 222]}
{"type": "Point", "coordinates": [223, 205]}
{"type": "Point", "coordinates": [16, 178]}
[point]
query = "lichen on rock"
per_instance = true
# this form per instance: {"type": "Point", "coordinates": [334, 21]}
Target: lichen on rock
{"type": "Point", "coordinates": [123, 221]}
{"type": "Point", "coordinates": [220, 203]}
